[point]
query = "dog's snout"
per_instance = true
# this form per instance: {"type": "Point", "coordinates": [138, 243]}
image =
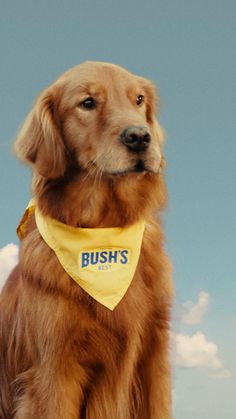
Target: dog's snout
{"type": "Point", "coordinates": [136, 138]}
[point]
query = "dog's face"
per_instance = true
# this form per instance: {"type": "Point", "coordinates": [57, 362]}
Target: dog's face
{"type": "Point", "coordinates": [109, 120]}
{"type": "Point", "coordinates": [98, 116]}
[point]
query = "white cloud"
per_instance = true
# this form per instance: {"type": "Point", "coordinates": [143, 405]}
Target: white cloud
{"type": "Point", "coordinates": [193, 313]}
{"type": "Point", "coordinates": [196, 352]}
{"type": "Point", "coordinates": [223, 374]}
{"type": "Point", "coordinates": [8, 259]}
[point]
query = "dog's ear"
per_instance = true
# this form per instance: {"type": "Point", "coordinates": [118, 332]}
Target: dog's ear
{"type": "Point", "coordinates": [39, 141]}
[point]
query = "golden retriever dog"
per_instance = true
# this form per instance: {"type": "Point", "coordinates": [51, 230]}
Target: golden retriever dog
{"type": "Point", "coordinates": [96, 152]}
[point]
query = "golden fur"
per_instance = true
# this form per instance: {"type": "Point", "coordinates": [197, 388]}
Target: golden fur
{"type": "Point", "coordinates": [63, 355]}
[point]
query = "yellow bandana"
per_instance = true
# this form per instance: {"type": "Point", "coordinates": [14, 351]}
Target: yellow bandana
{"type": "Point", "coordinates": [101, 260]}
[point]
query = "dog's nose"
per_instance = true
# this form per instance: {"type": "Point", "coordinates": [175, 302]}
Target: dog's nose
{"type": "Point", "coordinates": [136, 138]}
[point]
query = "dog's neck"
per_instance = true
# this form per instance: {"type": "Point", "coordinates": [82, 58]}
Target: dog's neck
{"type": "Point", "coordinates": [83, 201]}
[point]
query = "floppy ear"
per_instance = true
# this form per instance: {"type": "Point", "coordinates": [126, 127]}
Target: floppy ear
{"type": "Point", "coordinates": [39, 141]}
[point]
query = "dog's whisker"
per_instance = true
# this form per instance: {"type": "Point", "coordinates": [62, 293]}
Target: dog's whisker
{"type": "Point", "coordinates": [101, 174]}
{"type": "Point", "coordinates": [97, 176]}
{"type": "Point", "coordinates": [90, 172]}
{"type": "Point", "coordinates": [94, 169]}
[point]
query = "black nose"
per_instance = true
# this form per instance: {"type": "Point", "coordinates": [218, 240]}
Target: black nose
{"type": "Point", "coordinates": [136, 138]}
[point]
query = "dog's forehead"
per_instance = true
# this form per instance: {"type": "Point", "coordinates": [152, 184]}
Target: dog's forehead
{"type": "Point", "coordinates": [107, 75]}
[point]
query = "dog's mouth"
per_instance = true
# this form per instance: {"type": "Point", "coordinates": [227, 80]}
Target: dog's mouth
{"type": "Point", "coordinates": [139, 167]}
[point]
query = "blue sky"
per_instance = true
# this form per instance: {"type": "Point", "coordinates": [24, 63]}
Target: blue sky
{"type": "Point", "coordinates": [188, 48]}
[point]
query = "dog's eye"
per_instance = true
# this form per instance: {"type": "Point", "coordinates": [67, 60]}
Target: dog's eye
{"type": "Point", "coordinates": [88, 103]}
{"type": "Point", "coordinates": [139, 100]}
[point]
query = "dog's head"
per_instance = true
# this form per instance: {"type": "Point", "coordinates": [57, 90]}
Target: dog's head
{"type": "Point", "coordinates": [97, 117]}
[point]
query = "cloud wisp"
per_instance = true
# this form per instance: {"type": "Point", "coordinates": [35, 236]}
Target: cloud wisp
{"type": "Point", "coordinates": [8, 259]}
{"type": "Point", "coordinates": [193, 313]}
